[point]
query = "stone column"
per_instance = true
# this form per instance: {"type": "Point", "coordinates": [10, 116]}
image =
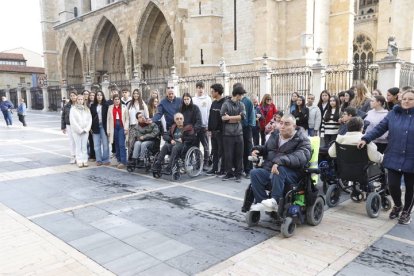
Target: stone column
{"type": "Point", "coordinates": [265, 78]}
{"type": "Point", "coordinates": [88, 83]}
{"type": "Point", "coordinates": [135, 82]}
{"type": "Point", "coordinates": [105, 86]}
{"type": "Point", "coordinates": [28, 97]}
{"type": "Point", "coordinates": [318, 79]}
{"type": "Point", "coordinates": [45, 97]}
{"type": "Point", "coordinates": [223, 77]}
{"type": "Point", "coordinates": [19, 92]}
{"type": "Point", "coordinates": [8, 92]}
{"type": "Point", "coordinates": [173, 81]}
{"type": "Point", "coordinates": [389, 72]}
{"type": "Point", "coordinates": [64, 89]}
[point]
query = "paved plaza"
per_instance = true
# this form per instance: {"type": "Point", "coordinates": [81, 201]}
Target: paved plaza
{"type": "Point", "coordinates": [58, 219]}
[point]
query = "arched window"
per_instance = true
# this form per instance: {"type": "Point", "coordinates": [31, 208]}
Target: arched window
{"type": "Point", "coordinates": [363, 55]}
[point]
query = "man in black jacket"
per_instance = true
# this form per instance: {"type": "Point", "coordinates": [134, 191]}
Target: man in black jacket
{"type": "Point", "coordinates": [286, 152]}
{"type": "Point", "coordinates": [215, 126]}
{"type": "Point", "coordinates": [232, 113]}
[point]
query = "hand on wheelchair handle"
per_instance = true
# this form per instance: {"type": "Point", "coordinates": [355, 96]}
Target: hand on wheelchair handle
{"type": "Point", "coordinates": [361, 144]}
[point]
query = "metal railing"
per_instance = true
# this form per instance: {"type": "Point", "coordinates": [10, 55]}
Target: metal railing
{"type": "Point", "coordinates": [187, 84]}
{"type": "Point", "coordinates": [36, 95]}
{"type": "Point", "coordinates": [341, 77]}
{"type": "Point", "coordinates": [407, 74]}
{"type": "Point", "coordinates": [54, 96]}
{"type": "Point", "coordinates": [285, 81]}
{"type": "Point", "coordinates": [147, 85]}
{"type": "Point", "coordinates": [249, 79]}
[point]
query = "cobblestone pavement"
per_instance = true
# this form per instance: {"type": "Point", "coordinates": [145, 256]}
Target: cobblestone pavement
{"type": "Point", "coordinates": [57, 219]}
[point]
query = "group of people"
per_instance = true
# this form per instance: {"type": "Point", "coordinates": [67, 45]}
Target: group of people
{"type": "Point", "coordinates": [7, 107]}
{"type": "Point", "coordinates": [237, 126]}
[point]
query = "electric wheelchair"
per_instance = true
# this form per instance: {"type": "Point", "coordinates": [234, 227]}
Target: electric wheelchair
{"type": "Point", "coordinates": [364, 180]}
{"type": "Point", "coordinates": [301, 204]}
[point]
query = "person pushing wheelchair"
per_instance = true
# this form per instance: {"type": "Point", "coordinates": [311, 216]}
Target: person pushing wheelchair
{"type": "Point", "coordinates": [285, 154]}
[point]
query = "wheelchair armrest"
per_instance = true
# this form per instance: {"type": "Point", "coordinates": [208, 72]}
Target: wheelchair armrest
{"type": "Point", "coordinates": [312, 170]}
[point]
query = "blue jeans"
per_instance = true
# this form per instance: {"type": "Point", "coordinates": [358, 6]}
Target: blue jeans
{"type": "Point", "coordinates": [101, 145]}
{"type": "Point", "coordinates": [8, 117]}
{"type": "Point", "coordinates": [263, 180]}
{"type": "Point", "coordinates": [119, 141]}
{"type": "Point", "coordinates": [311, 132]}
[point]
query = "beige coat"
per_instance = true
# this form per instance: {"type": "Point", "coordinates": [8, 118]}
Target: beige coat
{"type": "Point", "coordinates": [110, 122]}
{"type": "Point", "coordinates": [353, 138]}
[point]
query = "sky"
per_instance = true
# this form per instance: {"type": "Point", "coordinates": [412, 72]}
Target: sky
{"type": "Point", "coordinates": [20, 25]}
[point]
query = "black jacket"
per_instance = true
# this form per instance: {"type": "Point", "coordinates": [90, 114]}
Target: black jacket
{"type": "Point", "coordinates": [214, 120]}
{"type": "Point", "coordinates": [294, 154]}
{"type": "Point", "coordinates": [192, 116]}
{"type": "Point", "coordinates": [95, 118]}
{"type": "Point", "coordinates": [65, 116]}
{"type": "Point", "coordinates": [302, 117]}
{"type": "Point", "coordinates": [188, 134]}
{"type": "Point", "coordinates": [232, 108]}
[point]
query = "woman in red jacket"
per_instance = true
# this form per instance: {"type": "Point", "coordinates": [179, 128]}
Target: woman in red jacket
{"type": "Point", "coordinates": [267, 108]}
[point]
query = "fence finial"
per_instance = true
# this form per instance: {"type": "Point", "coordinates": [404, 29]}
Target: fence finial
{"type": "Point", "coordinates": [319, 51]}
{"type": "Point", "coordinates": [265, 57]}
{"type": "Point", "coordinates": [222, 65]}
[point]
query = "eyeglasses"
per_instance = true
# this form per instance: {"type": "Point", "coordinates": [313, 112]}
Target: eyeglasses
{"type": "Point", "coordinates": [170, 87]}
{"type": "Point", "coordinates": [179, 118]}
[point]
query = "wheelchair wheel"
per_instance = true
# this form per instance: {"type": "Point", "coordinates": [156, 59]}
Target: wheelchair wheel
{"type": "Point", "coordinates": [193, 162]}
{"type": "Point", "coordinates": [373, 205]}
{"type": "Point", "coordinates": [386, 203]}
{"type": "Point", "coordinates": [332, 195]}
{"type": "Point", "coordinates": [346, 185]}
{"type": "Point", "coordinates": [288, 227]}
{"type": "Point", "coordinates": [156, 174]}
{"type": "Point", "coordinates": [252, 218]}
{"type": "Point", "coordinates": [314, 213]}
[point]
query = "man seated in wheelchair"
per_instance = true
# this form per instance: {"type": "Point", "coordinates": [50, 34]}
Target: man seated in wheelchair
{"type": "Point", "coordinates": [146, 135]}
{"type": "Point", "coordinates": [355, 126]}
{"type": "Point", "coordinates": [285, 154]}
{"type": "Point", "coordinates": [177, 141]}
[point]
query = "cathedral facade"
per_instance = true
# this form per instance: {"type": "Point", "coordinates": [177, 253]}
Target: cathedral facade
{"type": "Point", "coordinates": [91, 38]}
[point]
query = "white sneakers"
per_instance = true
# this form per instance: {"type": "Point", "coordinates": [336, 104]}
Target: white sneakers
{"type": "Point", "coordinates": [270, 203]}
{"type": "Point", "coordinates": [72, 160]}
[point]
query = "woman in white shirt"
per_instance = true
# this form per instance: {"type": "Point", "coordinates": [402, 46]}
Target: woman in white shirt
{"type": "Point", "coordinates": [135, 105]}
{"type": "Point", "coordinates": [80, 123]}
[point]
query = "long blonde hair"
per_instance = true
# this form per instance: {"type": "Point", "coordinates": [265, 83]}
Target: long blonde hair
{"type": "Point", "coordinates": [362, 94]}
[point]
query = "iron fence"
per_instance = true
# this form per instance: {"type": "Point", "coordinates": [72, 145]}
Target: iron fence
{"type": "Point", "coordinates": [285, 81]}
{"type": "Point", "coordinates": [147, 85]}
{"type": "Point", "coordinates": [78, 87]}
{"type": "Point", "coordinates": [249, 79]}
{"type": "Point", "coordinates": [187, 84]}
{"type": "Point", "coordinates": [54, 96]}
{"type": "Point", "coordinates": [341, 77]}
{"type": "Point", "coordinates": [36, 94]}
{"type": "Point", "coordinates": [120, 84]}
{"type": "Point", "coordinates": [407, 74]}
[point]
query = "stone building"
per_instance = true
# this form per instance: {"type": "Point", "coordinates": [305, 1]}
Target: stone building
{"type": "Point", "coordinates": [89, 38]}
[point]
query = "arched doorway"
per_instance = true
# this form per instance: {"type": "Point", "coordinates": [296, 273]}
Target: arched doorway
{"type": "Point", "coordinates": [72, 63]}
{"type": "Point", "coordinates": [155, 47]}
{"type": "Point", "coordinates": [107, 54]}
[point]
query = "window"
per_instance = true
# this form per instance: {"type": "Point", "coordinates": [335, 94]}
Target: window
{"type": "Point", "coordinates": [363, 56]}
{"type": "Point", "coordinates": [22, 80]}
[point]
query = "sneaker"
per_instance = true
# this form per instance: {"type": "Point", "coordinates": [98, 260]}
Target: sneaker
{"type": "Point", "coordinates": [238, 179]}
{"type": "Point", "coordinates": [72, 160]}
{"type": "Point", "coordinates": [247, 175]}
{"type": "Point", "coordinates": [80, 165]}
{"type": "Point", "coordinates": [270, 203]}
{"type": "Point", "coordinates": [405, 218]}
{"type": "Point", "coordinates": [92, 159]}
{"type": "Point", "coordinates": [220, 174]}
{"type": "Point", "coordinates": [107, 164]}
{"type": "Point", "coordinates": [210, 172]}
{"type": "Point", "coordinates": [85, 164]}
{"type": "Point", "coordinates": [99, 164]}
{"type": "Point", "coordinates": [121, 166]}
{"type": "Point", "coordinates": [228, 177]}
{"type": "Point", "coordinates": [395, 212]}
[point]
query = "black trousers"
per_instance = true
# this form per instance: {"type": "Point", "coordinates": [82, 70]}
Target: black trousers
{"type": "Point", "coordinates": [91, 148]}
{"type": "Point", "coordinates": [394, 183]}
{"type": "Point", "coordinates": [22, 119]}
{"type": "Point", "coordinates": [233, 154]}
{"type": "Point", "coordinates": [381, 147]}
{"type": "Point", "coordinates": [217, 150]}
{"type": "Point", "coordinates": [256, 135]}
{"type": "Point", "coordinates": [262, 137]}
{"type": "Point", "coordinates": [203, 139]}
{"type": "Point", "coordinates": [175, 151]}
{"type": "Point", "coordinates": [248, 147]}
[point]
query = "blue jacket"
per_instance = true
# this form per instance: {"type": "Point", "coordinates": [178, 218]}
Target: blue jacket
{"type": "Point", "coordinates": [6, 105]}
{"type": "Point", "coordinates": [399, 154]}
{"type": "Point", "coordinates": [21, 109]}
{"type": "Point", "coordinates": [250, 119]}
{"type": "Point", "coordinates": [168, 109]}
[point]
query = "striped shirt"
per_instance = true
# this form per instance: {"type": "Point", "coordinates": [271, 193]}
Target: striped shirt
{"type": "Point", "coordinates": [331, 126]}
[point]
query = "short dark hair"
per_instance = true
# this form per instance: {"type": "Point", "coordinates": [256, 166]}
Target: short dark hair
{"type": "Point", "coordinates": [238, 90]}
{"type": "Point", "coordinates": [218, 88]}
{"type": "Point", "coordinates": [137, 114]}
{"type": "Point", "coordinates": [237, 84]}
{"type": "Point", "coordinates": [200, 84]}
{"type": "Point", "coordinates": [380, 99]}
{"type": "Point", "coordinates": [355, 124]}
{"type": "Point", "coordinates": [351, 111]}
{"type": "Point", "coordinates": [125, 89]}
{"type": "Point", "coordinates": [394, 91]}
{"type": "Point", "coordinates": [341, 94]}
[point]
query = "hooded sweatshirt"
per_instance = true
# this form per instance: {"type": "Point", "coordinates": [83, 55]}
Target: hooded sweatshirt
{"type": "Point", "coordinates": [374, 118]}
{"type": "Point", "coordinates": [204, 103]}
